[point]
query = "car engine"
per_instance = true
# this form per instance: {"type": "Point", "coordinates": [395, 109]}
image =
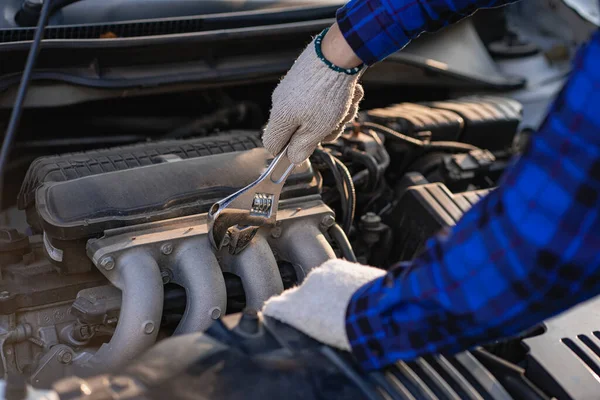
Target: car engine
{"type": "Point", "coordinates": [117, 256]}
{"type": "Point", "coordinates": [135, 124]}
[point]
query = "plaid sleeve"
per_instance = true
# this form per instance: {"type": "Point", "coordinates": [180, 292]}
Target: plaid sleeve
{"type": "Point", "coordinates": [377, 28]}
{"type": "Point", "coordinates": [526, 252]}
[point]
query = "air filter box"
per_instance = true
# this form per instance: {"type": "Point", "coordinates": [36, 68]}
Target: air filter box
{"type": "Point", "coordinates": [484, 121]}
{"type": "Point", "coordinates": [422, 210]}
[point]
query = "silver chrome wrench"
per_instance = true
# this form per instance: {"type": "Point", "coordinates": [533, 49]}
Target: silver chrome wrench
{"type": "Point", "coordinates": [235, 220]}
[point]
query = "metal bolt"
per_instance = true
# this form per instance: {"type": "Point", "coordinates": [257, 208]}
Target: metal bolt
{"type": "Point", "coordinates": [84, 331]}
{"type": "Point", "coordinates": [166, 249]}
{"type": "Point", "coordinates": [371, 219]}
{"type": "Point", "coordinates": [276, 232]}
{"type": "Point", "coordinates": [328, 221]}
{"type": "Point", "coordinates": [215, 312]}
{"type": "Point", "coordinates": [65, 357]}
{"type": "Point", "coordinates": [107, 263]}
{"type": "Point", "coordinates": [148, 327]}
{"type": "Point", "coordinates": [166, 276]}
{"type": "Point", "coordinates": [4, 295]}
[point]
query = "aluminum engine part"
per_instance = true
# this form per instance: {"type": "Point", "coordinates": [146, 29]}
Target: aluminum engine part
{"type": "Point", "coordinates": [35, 318]}
{"type": "Point", "coordinates": [150, 242]}
{"type": "Point", "coordinates": [196, 269]}
{"type": "Point", "coordinates": [132, 258]}
{"type": "Point", "coordinates": [137, 274]}
{"type": "Point", "coordinates": [258, 269]}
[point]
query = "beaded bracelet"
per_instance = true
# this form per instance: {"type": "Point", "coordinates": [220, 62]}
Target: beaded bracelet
{"type": "Point", "coordinates": [348, 71]}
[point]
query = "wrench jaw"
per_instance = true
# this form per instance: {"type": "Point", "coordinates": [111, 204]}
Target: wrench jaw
{"type": "Point", "coordinates": [235, 228]}
{"type": "Point", "coordinates": [240, 238]}
{"type": "Point", "coordinates": [234, 220]}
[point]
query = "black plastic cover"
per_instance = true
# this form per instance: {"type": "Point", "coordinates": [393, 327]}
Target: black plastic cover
{"type": "Point", "coordinates": [410, 119]}
{"type": "Point", "coordinates": [485, 121]}
{"type": "Point", "coordinates": [490, 122]}
{"type": "Point", "coordinates": [564, 360]}
{"type": "Point", "coordinates": [71, 166]}
{"type": "Point", "coordinates": [423, 209]}
{"type": "Point", "coordinates": [245, 357]}
{"type": "Point", "coordinates": [86, 207]}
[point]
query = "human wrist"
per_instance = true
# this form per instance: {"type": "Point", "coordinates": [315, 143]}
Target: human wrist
{"type": "Point", "coordinates": [336, 50]}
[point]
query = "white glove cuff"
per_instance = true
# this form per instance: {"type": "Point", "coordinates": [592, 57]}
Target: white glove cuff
{"type": "Point", "coordinates": [326, 290]}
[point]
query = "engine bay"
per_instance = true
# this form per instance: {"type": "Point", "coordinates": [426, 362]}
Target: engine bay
{"type": "Point", "coordinates": [109, 286]}
{"type": "Point", "coordinates": [116, 253]}
{"type": "Point", "coordinates": [115, 256]}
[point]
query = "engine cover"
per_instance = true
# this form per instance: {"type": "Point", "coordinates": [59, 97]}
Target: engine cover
{"type": "Point", "coordinates": [86, 207]}
{"type": "Point", "coordinates": [73, 211]}
{"type": "Point", "coordinates": [565, 359]}
{"type": "Point", "coordinates": [246, 357]}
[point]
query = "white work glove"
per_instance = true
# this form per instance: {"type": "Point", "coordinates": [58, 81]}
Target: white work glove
{"type": "Point", "coordinates": [311, 104]}
{"type": "Point", "coordinates": [318, 306]}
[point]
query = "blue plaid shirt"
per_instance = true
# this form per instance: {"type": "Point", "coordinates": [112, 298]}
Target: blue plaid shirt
{"type": "Point", "coordinates": [526, 252]}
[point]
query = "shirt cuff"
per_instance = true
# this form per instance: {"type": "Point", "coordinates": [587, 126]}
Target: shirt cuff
{"type": "Point", "coordinates": [370, 30]}
{"type": "Point", "coordinates": [364, 327]}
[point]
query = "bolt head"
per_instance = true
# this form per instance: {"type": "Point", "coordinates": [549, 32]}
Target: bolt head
{"type": "Point", "coordinates": [65, 357]}
{"type": "Point", "coordinates": [148, 327]}
{"type": "Point", "coordinates": [215, 312]}
{"type": "Point", "coordinates": [107, 263]}
{"type": "Point", "coordinates": [166, 276]}
{"type": "Point", "coordinates": [370, 221]}
{"type": "Point", "coordinates": [4, 295]}
{"type": "Point", "coordinates": [166, 249]}
{"type": "Point", "coordinates": [276, 232]}
{"type": "Point", "coordinates": [328, 220]}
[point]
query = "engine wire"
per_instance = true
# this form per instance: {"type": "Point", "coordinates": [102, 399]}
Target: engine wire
{"type": "Point", "coordinates": [344, 186]}
{"type": "Point", "coordinates": [15, 116]}
{"type": "Point", "coordinates": [426, 145]}
{"type": "Point", "coordinates": [339, 237]}
{"type": "Point", "coordinates": [351, 194]}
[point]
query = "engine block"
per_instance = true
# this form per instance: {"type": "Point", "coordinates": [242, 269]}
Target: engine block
{"type": "Point", "coordinates": [89, 293]}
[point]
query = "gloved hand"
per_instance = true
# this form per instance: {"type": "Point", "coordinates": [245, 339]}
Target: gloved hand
{"type": "Point", "coordinates": [318, 306]}
{"type": "Point", "coordinates": [312, 103]}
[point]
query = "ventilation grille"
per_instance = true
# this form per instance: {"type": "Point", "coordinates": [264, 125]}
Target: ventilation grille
{"type": "Point", "coordinates": [77, 165]}
{"type": "Point", "coordinates": [439, 377]}
{"type": "Point", "coordinates": [587, 349]}
{"type": "Point", "coordinates": [169, 26]}
{"type": "Point", "coordinates": [135, 29]}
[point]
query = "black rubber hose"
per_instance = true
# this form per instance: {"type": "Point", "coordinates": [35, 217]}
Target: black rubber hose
{"type": "Point", "coordinates": [340, 238]}
{"type": "Point", "coordinates": [351, 197]}
{"type": "Point", "coordinates": [383, 156]}
{"type": "Point", "coordinates": [327, 159]}
{"type": "Point", "coordinates": [15, 116]}
{"type": "Point", "coordinates": [369, 162]}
